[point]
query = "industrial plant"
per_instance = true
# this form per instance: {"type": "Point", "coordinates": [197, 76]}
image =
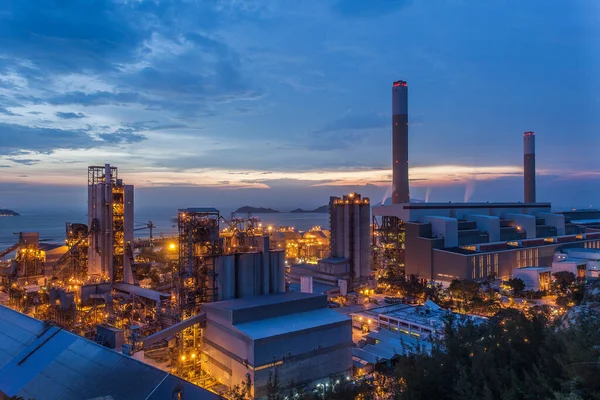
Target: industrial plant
{"type": "Point", "coordinates": [228, 302]}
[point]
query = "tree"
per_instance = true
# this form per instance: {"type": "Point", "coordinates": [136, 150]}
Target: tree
{"type": "Point", "coordinates": [242, 391]}
{"type": "Point", "coordinates": [517, 285]}
{"type": "Point", "coordinates": [273, 387]}
{"type": "Point", "coordinates": [563, 279]}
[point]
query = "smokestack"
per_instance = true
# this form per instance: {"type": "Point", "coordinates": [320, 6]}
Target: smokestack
{"type": "Point", "coordinates": [529, 166]}
{"type": "Point", "coordinates": [400, 192]}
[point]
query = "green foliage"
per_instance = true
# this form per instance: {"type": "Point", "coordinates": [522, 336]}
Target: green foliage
{"type": "Point", "coordinates": [563, 279]}
{"type": "Point", "coordinates": [513, 355]}
{"type": "Point", "coordinates": [340, 389]}
{"type": "Point", "coordinates": [273, 387]}
{"type": "Point", "coordinates": [242, 391]}
{"type": "Point", "coordinates": [517, 285]}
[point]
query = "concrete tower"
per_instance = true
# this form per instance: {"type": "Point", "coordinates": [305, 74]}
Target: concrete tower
{"type": "Point", "coordinates": [400, 192]}
{"type": "Point", "coordinates": [529, 166]}
{"type": "Point", "coordinates": [350, 218]}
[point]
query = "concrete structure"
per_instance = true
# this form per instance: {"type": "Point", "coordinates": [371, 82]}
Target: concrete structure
{"type": "Point", "coordinates": [294, 334]}
{"type": "Point", "coordinates": [306, 284]}
{"type": "Point", "coordinates": [328, 271]}
{"type": "Point", "coordinates": [529, 166]}
{"type": "Point", "coordinates": [383, 346]}
{"type": "Point", "coordinates": [110, 218]}
{"type": "Point", "coordinates": [418, 321]}
{"type": "Point", "coordinates": [350, 218]}
{"type": "Point", "coordinates": [583, 262]}
{"type": "Point", "coordinates": [41, 361]}
{"type": "Point", "coordinates": [400, 190]}
{"type": "Point", "coordinates": [446, 241]}
{"type": "Point", "coordinates": [535, 278]}
{"type": "Point", "coordinates": [581, 221]}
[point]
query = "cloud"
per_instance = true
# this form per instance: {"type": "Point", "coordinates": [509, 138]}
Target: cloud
{"type": "Point", "coordinates": [156, 54]}
{"type": "Point", "coordinates": [22, 140]}
{"type": "Point", "coordinates": [352, 121]}
{"type": "Point", "coordinates": [368, 9]}
{"type": "Point", "coordinates": [16, 138]}
{"type": "Point", "coordinates": [60, 37]}
{"type": "Point", "coordinates": [93, 99]}
{"type": "Point", "coordinates": [69, 115]}
{"type": "Point", "coordinates": [24, 161]}
{"type": "Point", "coordinates": [122, 136]}
{"type": "Point", "coordinates": [349, 130]}
{"type": "Point", "coordinates": [6, 112]}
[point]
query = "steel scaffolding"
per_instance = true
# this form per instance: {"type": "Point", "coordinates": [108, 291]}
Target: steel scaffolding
{"type": "Point", "coordinates": [198, 244]}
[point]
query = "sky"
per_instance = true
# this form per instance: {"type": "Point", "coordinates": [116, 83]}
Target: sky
{"type": "Point", "coordinates": [284, 103]}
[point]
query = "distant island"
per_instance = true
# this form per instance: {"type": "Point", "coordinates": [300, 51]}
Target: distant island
{"type": "Point", "coordinates": [321, 210]}
{"type": "Point", "coordinates": [255, 210]}
{"type": "Point", "coordinates": [8, 213]}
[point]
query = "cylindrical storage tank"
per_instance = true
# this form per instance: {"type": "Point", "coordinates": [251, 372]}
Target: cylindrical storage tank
{"type": "Point", "coordinates": [277, 271]}
{"type": "Point", "coordinates": [248, 274]}
{"type": "Point", "coordinates": [365, 240]}
{"type": "Point", "coordinates": [226, 277]}
{"type": "Point", "coordinates": [266, 268]}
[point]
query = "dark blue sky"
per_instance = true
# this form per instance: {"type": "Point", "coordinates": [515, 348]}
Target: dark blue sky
{"type": "Point", "coordinates": [283, 103]}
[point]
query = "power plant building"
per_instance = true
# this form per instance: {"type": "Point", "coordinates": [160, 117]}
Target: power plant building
{"type": "Point", "coordinates": [293, 334]}
{"type": "Point", "coordinates": [350, 218]}
{"type": "Point", "coordinates": [447, 241]}
{"type": "Point", "coordinates": [110, 221]}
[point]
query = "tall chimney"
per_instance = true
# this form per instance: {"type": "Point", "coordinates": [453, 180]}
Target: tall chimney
{"type": "Point", "coordinates": [400, 193]}
{"type": "Point", "coordinates": [529, 166]}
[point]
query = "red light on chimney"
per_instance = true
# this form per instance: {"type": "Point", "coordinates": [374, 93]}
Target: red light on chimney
{"type": "Point", "coordinates": [529, 133]}
{"type": "Point", "coordinates": [399, 83]}
{"type": "Point", "coordinates": [396, 83]}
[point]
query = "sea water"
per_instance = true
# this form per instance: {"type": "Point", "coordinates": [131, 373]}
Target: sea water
{"type": "Point", "coordinates": [51, 224]}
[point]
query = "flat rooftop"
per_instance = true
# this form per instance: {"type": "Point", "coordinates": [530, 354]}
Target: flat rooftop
{"type": "Point", "coordinates": [318, 288]}
{"type": "Point", "coordinates": [515, 245]}
{"type": "Point", "coordinates": [533, 268]}
{"type": "Point", "coordinates": [297, 322]}
{"type": "Point", "coordinates": [408, 313]}
{"type": "Point", "coordinates": [258, 308]}
{"type": "Point", "coordinates": [259, 301]}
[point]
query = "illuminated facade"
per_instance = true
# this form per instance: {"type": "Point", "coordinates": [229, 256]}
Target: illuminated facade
{"type": "Point", "coordinates": [446, 241]}
{"type": "Point", "coordinates": [110, 221]}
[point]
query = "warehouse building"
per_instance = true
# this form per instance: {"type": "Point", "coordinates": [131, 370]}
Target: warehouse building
{"type": "Point", "coordinates": [293, 334]}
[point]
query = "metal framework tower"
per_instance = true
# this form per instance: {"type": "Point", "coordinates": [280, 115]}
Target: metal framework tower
{"type": "Point", "coordinates": [529, 166]}
{"type": "Point", "coordinates": [74, 262]}
{"type": "Point", "coordinates": [198, 244]}
{"type": "Point", "coordinates": [400, 190]}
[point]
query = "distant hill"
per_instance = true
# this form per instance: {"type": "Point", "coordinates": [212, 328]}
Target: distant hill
{"type": "Point", "coordinates": [8, 213]}
{"type": "Point", "coordinates": [321, 210]}
{"type": "Point", "coordinates": [255, 210]}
